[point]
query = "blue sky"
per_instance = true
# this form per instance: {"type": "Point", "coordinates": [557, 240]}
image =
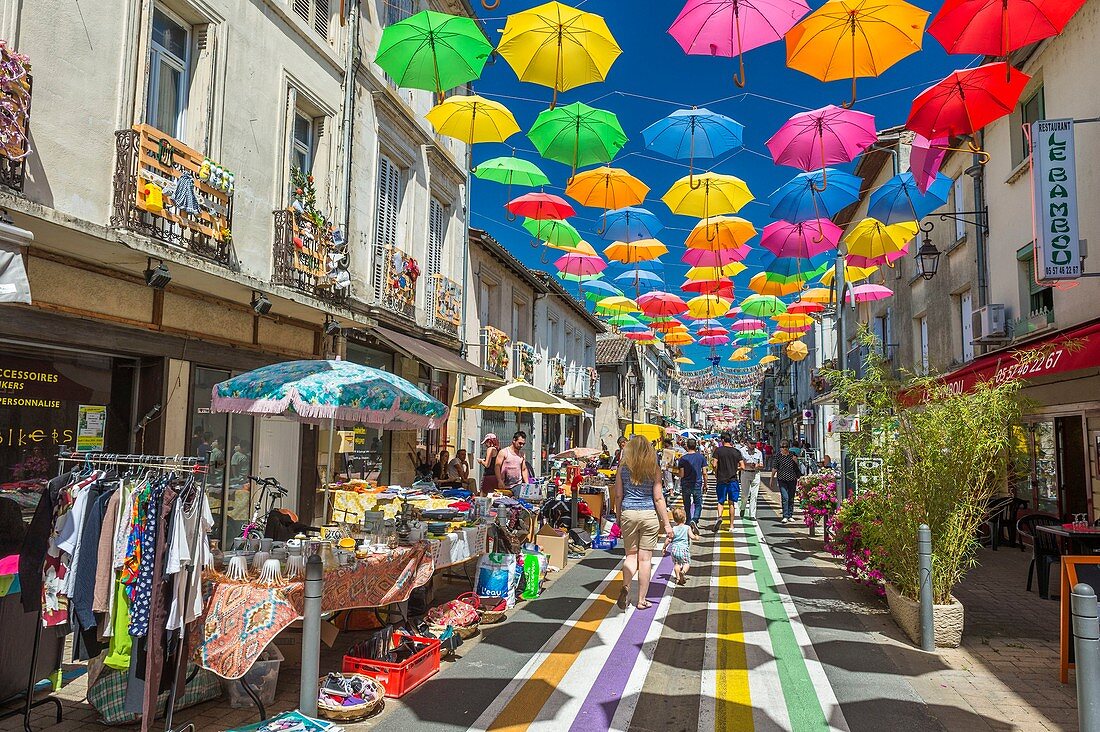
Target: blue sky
{"type": "Point", "coordinates": [652, 78]}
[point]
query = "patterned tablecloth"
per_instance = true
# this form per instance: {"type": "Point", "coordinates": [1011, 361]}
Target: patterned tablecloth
{"type": "Point", "coordinates": [349, 506]}
{"type": "Point", "coordinates": [242, 619]}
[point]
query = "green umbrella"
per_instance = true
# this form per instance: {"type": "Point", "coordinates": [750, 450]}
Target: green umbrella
{"type": "Point", "coordinates": [752, 335]}
{"type": "Point", "coordinates": [512, 171]}
{"type": "Point", "coordinates": [433, 51]}
{"type": "Point", "coordinates": [624, 319]}
{"type": "Point", "coordinates": [596, 291]}
{"type": "Point", "coordinates": [580, 278]}
{"type": "Point", "coordinates": [560, 234]}
{"type": "Point", "coordinates": [763, 305]}
{"type": "Point", "coordinates": [577, 135]}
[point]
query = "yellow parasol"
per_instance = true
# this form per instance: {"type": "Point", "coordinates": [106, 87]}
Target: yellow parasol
{"type": "Point", "coordinates": [472, 119]}
{"type": "Point", "coordinates": [642, 250]}
{"type": "Point", "coordinates": [615, 305]}
{"type": "Point", "coordinates": [706, 195]}
{"type": "Point", "coordinates": [708, 306]}
{"type": "Point", "coordinates": [713, 273]}
{"type": "Point", "coordinates": [818, 294]}
{"type": "Point", "coordinates": [870, 238]}
{"type": "Point", "coordinates": [797, 350]}
{"type": "Point", "coordinates": [851, 274]}
{"type": "Point", "coordinates": [519, 396]}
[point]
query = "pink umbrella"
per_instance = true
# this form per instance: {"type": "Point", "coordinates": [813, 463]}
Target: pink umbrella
{"type": "Point", "coordinates": [814, 139]}
{"type": "Point", "coordinates": [580, 265]}
{"type": "Point", "coordinates": [658, 303]}
{"type": "Point", "coordinates": [925, 159]}
{"type": "Point", "coordinates": [870, 293]}
{"type": "Point", "coordinates": [855, 260]}
{"type": "Point", "coordinates": [716, 258]}
{"type": "Point", "coordinates": [746, 324]}
{"type": "Point", "coordinates": [731, 27]}
{"type": "Point", "coordinates": [804, 240]}
{"type": "Point", "coordinates": [704, 332]}
{"type": "Point", "coordinates": [714, 340]}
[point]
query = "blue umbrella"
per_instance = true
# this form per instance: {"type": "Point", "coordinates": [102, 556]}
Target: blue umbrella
{"type": "Point", "coordinates": [707, 323]}
{"type": "Point", "coordinates": [631, 224]}
{"type": "Point", "coordinates": [899, 199]}
{"type": "Point", "coordinates": [604, 289]}
{"type": "Point", "coordinates": [801, 198]}
{"type": "Point", "coordinates": [693, 133]}
{"type": "Point", "coordinates": [651, 265]}
{"type": "Point", "coordinates": [639, 277]}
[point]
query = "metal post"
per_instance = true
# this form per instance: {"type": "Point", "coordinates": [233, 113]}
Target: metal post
{"type": "Point", "coordinates": [311, 636]}
{"type": "Point", "coordinates": [924, 555]}
{"type": "Point", "coordinates": [1086, 650]}
{"type": "Point", "coordinates": [841, 358]}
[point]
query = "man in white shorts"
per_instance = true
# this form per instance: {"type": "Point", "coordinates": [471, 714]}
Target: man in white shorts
{"type": "Point", "coordinates": [750, 480]}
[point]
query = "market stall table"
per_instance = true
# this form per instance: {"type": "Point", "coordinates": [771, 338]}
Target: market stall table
{"type": "Point", "coordinates": [1075, 541]}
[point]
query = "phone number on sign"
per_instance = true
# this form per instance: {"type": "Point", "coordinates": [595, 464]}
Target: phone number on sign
{"type": "Point", "coordinates": [1019, 370]}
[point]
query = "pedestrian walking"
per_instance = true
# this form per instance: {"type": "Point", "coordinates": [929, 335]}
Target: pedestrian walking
{"type": "Point", "coordinates": [640, 505]}
{"type": "Point", "coordinates": [511, 464]}
{"type": "Point", "coordinates": [787, 473]}
{"type": "Point", "coordinates": [728, 464]}
{"type": "Point", "coordinates": [750, 481]}
{"type": "Point", "coordinates": [679, 546]}
{"type": "Point", "coordinates": [668, 465]}
{"type": "Point", "coordinates": [489, 475]}
{"type": "Point", "coordinates": [693, 482]}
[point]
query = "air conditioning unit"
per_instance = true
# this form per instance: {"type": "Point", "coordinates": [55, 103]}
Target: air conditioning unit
{"type": "Point", "coordinates": [989, 324]}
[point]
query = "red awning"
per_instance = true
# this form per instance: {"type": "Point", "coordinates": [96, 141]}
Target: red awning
{"type": "Point", "coordinates": [1071, 350]}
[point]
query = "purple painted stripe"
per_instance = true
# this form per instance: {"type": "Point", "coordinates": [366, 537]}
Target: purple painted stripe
{"type": "Point", "coordinates": [598, 709]}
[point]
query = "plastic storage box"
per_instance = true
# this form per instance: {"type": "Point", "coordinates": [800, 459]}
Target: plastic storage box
{"type": "Point", "coordinates": [399, 679]}
{"type": "Point", "coordinates": [263, 677]}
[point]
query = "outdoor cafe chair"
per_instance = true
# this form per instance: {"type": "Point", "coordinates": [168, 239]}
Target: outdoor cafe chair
{"type": "Point", "coordinates": [1044, 548]}
{"type": "Point", "coordinates": [996, 515]}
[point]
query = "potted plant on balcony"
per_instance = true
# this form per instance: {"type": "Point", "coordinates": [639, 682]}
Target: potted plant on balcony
{"type": "Point", "coordinates": [15, 99]}
{"type": "Point", "coordinates": [944, 456]}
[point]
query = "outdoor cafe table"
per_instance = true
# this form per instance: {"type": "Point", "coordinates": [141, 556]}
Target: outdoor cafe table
{"type": "Point", "coordinates": [243, 618]}
{"type": "Point", "coordinates": [1075, 541]}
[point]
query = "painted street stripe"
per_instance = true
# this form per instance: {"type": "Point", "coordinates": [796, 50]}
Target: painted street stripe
{"type": "Point", "coordinates": [624, 714]}
{"type": "Point", "coordinates": [733, 710]}
{"type": "Point", "coordinates": [709, 681]}
{"type": "Point", "coordinates": [609, 687]}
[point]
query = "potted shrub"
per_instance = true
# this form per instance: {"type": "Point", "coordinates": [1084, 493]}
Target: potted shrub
{"type": "Point", "coordinates": [944, 455]}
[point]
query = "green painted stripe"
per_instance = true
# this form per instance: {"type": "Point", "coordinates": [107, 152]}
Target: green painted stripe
{"type": "Point", "coordinates": [803, 704]}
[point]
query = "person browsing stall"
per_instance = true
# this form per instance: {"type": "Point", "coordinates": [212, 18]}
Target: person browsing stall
{"type": "Point", "coordinates": [458, 469]}
{"type": "Point", "coordinates": [511, 465]}
{"type": "Point", "coordinates": [728, 464]}
{"type": "Point", "coordinates": [488, 463]}
{"type": "Point", "coordinates": [750, 480]}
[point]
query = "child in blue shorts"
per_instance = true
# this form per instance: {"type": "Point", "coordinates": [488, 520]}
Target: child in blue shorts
{"type": "Point", "coordinates": [679, 547]}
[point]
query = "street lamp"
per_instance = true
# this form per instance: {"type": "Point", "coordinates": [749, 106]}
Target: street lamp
{"type": "Point", "coordinates": [928, 257]}
{"type": "Point", "coordinates": [632, 391]}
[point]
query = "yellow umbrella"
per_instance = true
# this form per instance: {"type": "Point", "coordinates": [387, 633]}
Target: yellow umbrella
{"type": "Point", "coordinates": [761, 284]}
{"type": "Point", "coordinates": [851, 274]}
{"type": "Point", "coordinates": [615, 305]}
{"type": "Point", "coordinates": [519, 396]}
{"type": "Point", "coordinates": [682, 359]}
{"type": "Point", "coordinates": [708, 306]}
{"type": "Point", "coordinates": [871, 238]}
{"type": "Point", "coordinates": [558, 46]}
{"type": "Point", "coordinates": [818, 294]}
{"type": "Point", "coordinates": [472, 119]}
{"type": "Point", "coordinates": [642, 250]}
{"type": "Point", "coordinates": [606, 188]}
{"type": "Point", "coordinates": [797, 350]}
{"type": "Point", "coordinates": [768, 359]}
{"type": "Point", "coordinates": [712, 273]}
{"type": "Point", "coordinates": [854, 38]}
{"type": "Point", "coordinates": [721, 232]}
{"type": "Point", "coordinates": [792, 320]}
{"type": "Point", "coordinates": [784, 337]}
{"type": "Point", "coordinates": [741, 354]}
{"type": "Point", "coordinates": [706, 195]}
{"type": "Point", "coordinates": [679, 339]}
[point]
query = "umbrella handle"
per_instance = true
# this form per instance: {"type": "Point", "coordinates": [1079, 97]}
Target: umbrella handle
{"type": "Point", "coordinates": [739, 83]}
{"type": "Point", "coordinates": [490, 5]}
{"type": "Point", "coordinates": [824, 185]}
{"type": "Point", "coordinates": [983, 155]}
{"type": "Point", "coordinates": [542, 256]}
{"type": "Point", "coordinates": [851, 102]}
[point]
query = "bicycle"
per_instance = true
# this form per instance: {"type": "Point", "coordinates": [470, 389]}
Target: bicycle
{"type": "Point", "coordinates": [256, 527]}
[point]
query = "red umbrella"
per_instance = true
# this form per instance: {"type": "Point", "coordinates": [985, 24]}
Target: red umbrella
{"type": "Point", "coordinates": [664, 326]}
{"type": "Point", "coordinates": [723, 287]}
{"type": "Point", "coordinates": [805, 307]}
{"type": "Point", "coordinates": [967, 100]}
{"type": "Point", "coordinates": [997, 27]}
{"type": "Point", "coordinates": [655, 304]}
{"type": "Point", "coordinates": [540, 206]}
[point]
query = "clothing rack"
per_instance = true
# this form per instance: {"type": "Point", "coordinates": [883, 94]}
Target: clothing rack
{"type": "Point", "coordinates": [193, 465]}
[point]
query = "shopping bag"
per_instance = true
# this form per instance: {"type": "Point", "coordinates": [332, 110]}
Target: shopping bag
{"type": "Point", "coordinates": [496, 575]}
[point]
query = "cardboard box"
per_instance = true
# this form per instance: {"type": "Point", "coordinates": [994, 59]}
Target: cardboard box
{"type": "Point", "coordinates": [554, 544]}
{"type": "Point", "coordinates": [289, 642]}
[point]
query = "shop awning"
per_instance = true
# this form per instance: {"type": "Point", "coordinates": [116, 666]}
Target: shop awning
{"type": "Point", "coordinates": [1070, 350]}
{"type": "Point", "coordinates": [435, 356]}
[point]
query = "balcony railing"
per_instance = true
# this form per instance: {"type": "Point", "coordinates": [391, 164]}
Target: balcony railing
{"type": "Point", "coordinates": [582, 382]}
{"type": "Point", "coordinates": [15, 117]}
{"type": "Point", "coordinates": [557, 376]}
{"type": "Point", "coordinates": [308, 259]}
{"type": "Point", "coordinates": [401, 273]}
{"type": "Point", "coordinates": [495, 351]}
{"type": "Point", "coordinates": [444, 304]}
{"type": "Point", "coordinates": [171, 192]}
{"type": "Point", "coordinates": [524, 359]}
{"type": "Point", "coordinates": [1033, 322]}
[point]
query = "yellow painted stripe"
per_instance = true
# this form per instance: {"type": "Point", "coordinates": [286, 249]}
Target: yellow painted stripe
{"type": "Point", "coordinates": [733, 710]}
{"type": "Point", "coordinates": [525, 706]}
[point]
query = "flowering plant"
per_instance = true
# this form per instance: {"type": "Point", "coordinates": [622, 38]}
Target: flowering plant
{"type": "Point", "coordinates": [817, 495]}
{"type": "Point", "coordinates": [15, 99]}
{"type": "Point", "coordinates": [849, 543]}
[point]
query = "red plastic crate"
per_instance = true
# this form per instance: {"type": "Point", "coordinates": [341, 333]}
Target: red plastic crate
{"type": "Point", "coordinates": [399, 679]}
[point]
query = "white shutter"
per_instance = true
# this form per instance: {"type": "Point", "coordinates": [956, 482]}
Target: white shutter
{"type": "Point", "coordinates": [957, 195]}
{"type": "Point", "coordinates": [436, 224]}
{"type": "Point", "coordinates": [301, 7]}
{"type": "Point", "coordinates": [383, 230]}
{"type": "Point", "coordinates": [322, 12]}
{"type": "Point", "coordinates": [966, 310]}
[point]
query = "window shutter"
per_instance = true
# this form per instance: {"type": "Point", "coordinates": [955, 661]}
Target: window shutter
{"type": "Point", "coordinates": [382, 237]}
{"type": "Point", "coordinates": [301, 7]}
{"type": "Point", "coordinates": [960, 206]}
{"type": "Point", "coordinates": [436, 225]}
{"type": "Point", "coordinates": [322, 12]}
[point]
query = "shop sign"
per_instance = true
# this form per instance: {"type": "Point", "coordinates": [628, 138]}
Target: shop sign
{"type": "Point", "coordinates": [1054, 171]}
{"type": "Point", "coordinates": [845, 423]}
{"type": "Point", "coordinates": [91, 427]}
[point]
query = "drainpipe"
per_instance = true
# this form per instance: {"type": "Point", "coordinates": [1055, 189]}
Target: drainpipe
{"type": "Point", "coordinates": [463, 350]}
{"type": "Point", "coordinates": [351, 64]}
{"type": "Point", "coordinates": [980, 231]}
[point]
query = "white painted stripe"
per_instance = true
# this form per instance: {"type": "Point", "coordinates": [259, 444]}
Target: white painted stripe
{"type": "Point", "coordinates": [708, 690]}
{"type": "Point", "coordinates": [493, 710]}
{"type": "Point", "coordinates": [824, 690]}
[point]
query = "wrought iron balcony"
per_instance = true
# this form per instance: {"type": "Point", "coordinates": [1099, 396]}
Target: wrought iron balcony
{"type": "Point", "coordinates": [172, 193]}
{"type": "Point", "coordinates": [15, 119]}
{"type": "Point", "coordinates": [524, 358]}
{"type": "Point", "coordinates": [401, 272]}
{"type": "Point", "coordinates": [307, 259]}
{"type": "Point", "coordinates": [444, 304]}
{"type": "Point", "coordinates": [495, 351]}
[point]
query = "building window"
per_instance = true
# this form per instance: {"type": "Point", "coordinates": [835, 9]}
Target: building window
{"type": "Point", "coordinates": [303, 142]}
{"type": "Point", "coordinates": [169, 73]}
{"type": "Point", "coordinates": [966, 325]}
{"type": "Point", "coordinates": [1034, 297]}
{"type": "Point", "coordinates": [394, 11]}
{"type": "Point", "coordinates": [922, 341]}
{"type": "Point", "coordinates": [958, 201]}
{"type": "Point", "coordinates": [316, 13]}
{"type": "Point", "coordinates": [437, 235]}
{"type": "Point", "coordinates": [1031, 109]}
{"type": "Point", "coordinates": [387, 216]}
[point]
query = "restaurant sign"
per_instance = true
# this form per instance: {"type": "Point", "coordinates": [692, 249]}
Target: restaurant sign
{"type": "Point", "coordinates": [1055, 174]}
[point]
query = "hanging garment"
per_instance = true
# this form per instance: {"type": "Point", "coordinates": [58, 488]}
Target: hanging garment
{"type": "Point", "coordinates": [86, 643]}
{"type": "Point", "coordinates": [105, 575]}
{"type": "Point", "coordinates": [141, 588]}
{"type": "Point", "coordinates": [37, 543]}
{"type": "Point", "coordinates": [184, 195]}
{"type": "Point", "coordinates": [188, 549]}
{"type": "Point", "coordinates": [158, 656]}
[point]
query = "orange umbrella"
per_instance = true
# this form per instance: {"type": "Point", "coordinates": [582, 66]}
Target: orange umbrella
{"type": "Point", "coordinates": [642, 250]}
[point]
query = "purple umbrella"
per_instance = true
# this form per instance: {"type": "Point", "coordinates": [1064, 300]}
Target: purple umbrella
{"type": "Point", "coordinates": [925, 159]}
{"type": "Point", "coordinates": [820, 137]}
{"type": "Point", "coordinates": [804, 240]}
{"type": "Point", "coordinates": [746, 324]}
{"type": "Point", "coordinates": [731, 27]}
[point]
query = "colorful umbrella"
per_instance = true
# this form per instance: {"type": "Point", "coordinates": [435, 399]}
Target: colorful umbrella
{"type": "Point", "coordinates": [713, 332]}
{"type": "Point", "coordinates": [967, 100]}
{"type": "Point", "coordinates": [511, 171]}
{"type": "Point", "coordinates": [783, 337]}
{"type": "Point", "coordinates": [768, 359]}
{"type": "Point", "coordinates": [708, 273]}
{"type": "Point", "coordinates": [623, 320]}
{"type": "Point", "coordinates": [814, 139]}
{"type": "Point", "coordinates": [846, 38]}
{"type": "Point", "coordinates": [712, 257]}
{"type": "Point", "coordinates": [693, 133]}
{"type": "Point", "coordinates": [668, 325]}
{"type": "Point", "coordinates": [580, 265]}
{"type": "Point", "coordinates": [925, 157]}
{"type": "Point", "coordinates": [753, 335]}
{"type": "Point", "coordinates": [679, 339]}
{"type": "Point", "coordinates": [661, 303]}
{"type": "Point", "coordinates": [714, 340]}
{"type": "Point", "coordinates": [723, 286]}
{"type": "Point", "coordinates": [762, 305]}
{"type": "Point", "coordinates": [741, 354]}
{"type": "Point", "coordinates": [682, 359]}
{"type": "Point", "coordinates": [556, 233]}
{"type": "Point", "coordinates": [797, 350]}
{"type": "Point", "coordinates": [990, 28]}
{"type": "Point", "coordinates": [472, 119]}
{"type": "Point", "coordinates": [519, 397]}
{"type": "Point", "coordinates": [732, 27]}
{"type": "Point", "coordinates": [870, 293]}
{"type": "Point", "coordinates": [709, 194]}
{"type": "Point", "coordinates": [899, 199]}
{"type": "Point", "coordinates": [630, 224]}
{"type": "Point", "coordinates": [596, 291]}
{"type": "Point", "coordinates": [641, 279]}
{"type": "Point", "coordinates": [762, 284]}
{"type": "Point", "coordinates": [640, 250]}
{"type": "Point", "coordinates": [606, 188]}
{"type": "Point", "coordinates": [558, 46]}
{"type": "Point", "coordinates": [748, 324]}
{"type": "Point", "coordinates": [433, 51]}
{"type": "Point", "coordinates": [577, 135]}
{"type": "Point", "coordinates": [617, 305]}
{"type": "Point", "coordinates": [579, 278]}
{"type": "Point", "coordinates": [805, 307]}
{"type": "Point", "coordinates": [805, 240]}
{"type": "Point", "coordinates": [818, 295]}
{"type": "Point", "coordinates": [852, 273]}
{"type": "Point", "coordinates": [804, 197]}
{"type": "Point", "coordinates": [706, 322]}
{"type": "Point", "coordinates": [540, 206]}
{"type": "Point", "coordinates": [871, 238]}
{"type": "Point", "coordinates": [795, 328]}
{"type": "Point", "coordinates": [320, 391]}
{"type": "Point", "coordinates": [792, 320]}
{"type": "Point", "coordinates": [708, 306]}
{"type": "Point", "coordinates": [646, 336]}
{"type": "Point", "coordinates": [721, 232]}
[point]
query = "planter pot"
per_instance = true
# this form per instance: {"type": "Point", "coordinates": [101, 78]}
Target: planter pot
{"type": "Point", "coordinates": [947, 620]}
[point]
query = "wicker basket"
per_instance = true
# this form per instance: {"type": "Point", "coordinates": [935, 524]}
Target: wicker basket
{"type": "Point", "coordinates": [357, 712]}
{"type": "Point", "coordinates": [490, 617]}
{"type": "Point", "coordinates": [464, 632]}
